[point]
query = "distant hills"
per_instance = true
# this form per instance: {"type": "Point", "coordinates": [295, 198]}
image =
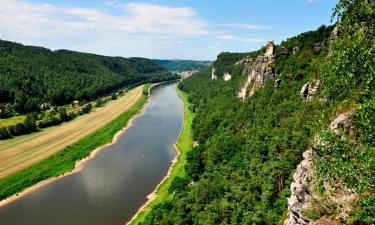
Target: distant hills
{"type": "Point", "coordinates": [176, 65]}
{"type": "Point", "coordinates": [30, 76]}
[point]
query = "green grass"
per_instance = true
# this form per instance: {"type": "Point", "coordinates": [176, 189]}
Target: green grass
{"type": "Point", "coordinates": [11, 121]}
{"type": "Point", "coordinates": [65, 160]}
{"type": "Point", "coordinates": [184, 144]}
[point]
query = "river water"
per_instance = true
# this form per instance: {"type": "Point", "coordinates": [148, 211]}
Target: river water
{"type": "Point", "coordinates": [115, 183]}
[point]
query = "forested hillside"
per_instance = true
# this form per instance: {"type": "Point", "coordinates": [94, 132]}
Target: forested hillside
{"type": "Point", "coordinates": [182, 65]}
{"type": "Point", "coordinates": [248, 151]}
{"type": "Point", "coordinates": [30, 76]}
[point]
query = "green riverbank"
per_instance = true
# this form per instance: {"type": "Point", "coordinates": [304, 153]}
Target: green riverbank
{"type": "Point", "coordinates": [184, 144]}
{"type": "Point", "coordinates": [65, 160]}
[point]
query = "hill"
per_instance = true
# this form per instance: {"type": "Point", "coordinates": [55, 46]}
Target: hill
{"type": "Point", "coordinates": [182, 65]}
{"type": "Point", "coordinates": [30, 76]}
{"type": "Point", "coordinates": [285, 135]}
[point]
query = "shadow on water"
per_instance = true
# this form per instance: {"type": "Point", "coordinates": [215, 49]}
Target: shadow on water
{"type": "Point", "coordinates": [114, 184]}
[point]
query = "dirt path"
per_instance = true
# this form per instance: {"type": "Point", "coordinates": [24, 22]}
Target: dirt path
{"type": "Point", "coordinates": [23, 151]}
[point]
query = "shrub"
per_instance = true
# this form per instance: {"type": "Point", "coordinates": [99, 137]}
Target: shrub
{"type": "Point", "coordinates": [4, 133]}
{"type": "Point", "coordinates": [87, 108]}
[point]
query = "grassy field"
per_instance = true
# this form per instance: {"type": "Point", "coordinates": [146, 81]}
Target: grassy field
{"type": "Point", "coordinates": [184, 144]}
{"type": "Point", "coordinates": [65, 159]}
{"type": "Point", "coordinates": [11, 121]}
{"type": "Point", "coordinates": [23, 151]}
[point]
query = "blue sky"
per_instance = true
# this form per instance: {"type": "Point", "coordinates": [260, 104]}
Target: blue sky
{"type": "Point", "coordinates": [167, 29]}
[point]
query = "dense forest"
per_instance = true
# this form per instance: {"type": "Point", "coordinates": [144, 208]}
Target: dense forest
{"type": "Point", "coordinates": [31, 76]}
{"type": "Point", "coordinates": [182, 65]}
{"type": "Point", "coordinates": [242, 168]}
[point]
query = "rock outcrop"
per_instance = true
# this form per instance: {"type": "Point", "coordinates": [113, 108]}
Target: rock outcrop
{"type": "Point", "coordinates": [336, 33]}
{"type": "Point", "coordinates": [304, 183]}
{"type": "Point", "coordinates": [227, 76]}
{"type": "Point", "coordinates": [309, 90]}
{"type": "Point", "coordinates": [341, 122]}
{"type": "Point", "coordinates": [300, 194]}
{"type": "Point", "coordinates": [257, 72]}
{"type": "Point", "coordinates": [213, 75]}
{"type": "Point", "coordinates": [295, 50]}
{"type": "Point", "coordinates": [319, 46]}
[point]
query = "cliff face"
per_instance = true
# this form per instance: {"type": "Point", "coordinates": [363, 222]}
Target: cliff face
{"type": "Point", "coordinates": [307, 205]}
{"type": "Point", "coordinates": [257, 72]}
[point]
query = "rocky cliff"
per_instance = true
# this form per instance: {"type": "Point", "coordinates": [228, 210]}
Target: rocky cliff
{"type": "Point", "coordinates": [309, 206]}
{"type": "Point", "coordinates": [257, 71]}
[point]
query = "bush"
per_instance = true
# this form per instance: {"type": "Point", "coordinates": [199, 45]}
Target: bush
{"type": "Point", "coordinates": [114, 96]}
{"type": "Point", "coordinates": [30, 124]}
{"type": "Point", "coordinates": [99, 102]}
{"type": "Point", "coordinates": [63, 114]}
{"type": "Point", "coordinates": [87, 108]}
{"type": "Point", "coordinates": [4, 133]}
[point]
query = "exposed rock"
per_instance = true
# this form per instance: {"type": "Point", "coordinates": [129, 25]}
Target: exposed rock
{"type": "Point", "coordinates": [258, 72]}
{"type": "Point", "coordinates": [327, 220]}
{"type": "Point", "coordinates": [335, 33]}
{"type": "Point", "coordinates": [227, 76]}
{"type": "Point", "coordinates": [335, 204]}
{"type": "Point", "coordinates": [295, 50]}
{"type": "Point", "coordinates": [319, 46]}
{"type": "Point", "coordinates": [309, 90]}
{"type": "Point", "coordinates": [213, 76]}
{"type": "Point", "coordinates": [270, 49]}
{"type": "Point", "coordinates": [283, 50]}
{"type": "Point", "coordinates": [277, 83]}
{"type": "Point", "coordinates": [342, 122]}
{"type": "Point", "coordinates": [300, 193]}
{"type": "Point", "coordinates": [244, 61]}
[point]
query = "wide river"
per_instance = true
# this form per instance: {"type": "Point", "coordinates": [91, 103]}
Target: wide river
{"type": "Point", "coordinates": [115, 183]}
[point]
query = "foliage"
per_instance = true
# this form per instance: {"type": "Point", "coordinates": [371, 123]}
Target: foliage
{"type": "Point", "coordinates": [182, 65]}
{"type": "Point", "coordinates": [87, 108]}
{"type": "Point", "coordinates": [99, 102]}
{"type": "Point", "coordinates": [241, 171]}
{"type": "Point", "coordinates": [30, 76]}
{"type": "Point", "coordinates": [114, 96]}
{"type": "Point", "coordinates": [349, 74]}
{"type": "Point", "coordinates": [65, 160]}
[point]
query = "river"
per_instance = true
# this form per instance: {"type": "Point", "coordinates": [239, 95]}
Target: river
{"type": "Point", "coordinates": [112, 186]}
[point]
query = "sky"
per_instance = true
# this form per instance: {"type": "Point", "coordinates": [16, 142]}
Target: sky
{"type": "Point", "coordinates": [159, 29]}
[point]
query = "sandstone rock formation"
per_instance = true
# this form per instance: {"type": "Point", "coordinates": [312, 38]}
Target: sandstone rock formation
{"type": "Point", "coordinates": [335, 33]}
{"type": "Point", "coordinates": [342, 122]}
{"type": "Point", "coordinates": [300, 194]}
{"type": "Point", "coordinates": [336, 194]}
{"type": "Point", "coordinates": [257, 72]}
{"type": "Point", "coordinates": [309, 90]}
{"type": "Point", "coordinates": [270, 49]}
{"type": "Point", "coordinates": [295, 50]}
{"type": "Point", "coordinates": [213, 76]}
{"type": "Point", "coordinates": [227, 76]}
{"type": "Point", "coordinates": [319, 46]}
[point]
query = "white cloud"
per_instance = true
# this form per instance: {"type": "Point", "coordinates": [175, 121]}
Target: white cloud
{"type": "Point", "coordinates": [141, 23]}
